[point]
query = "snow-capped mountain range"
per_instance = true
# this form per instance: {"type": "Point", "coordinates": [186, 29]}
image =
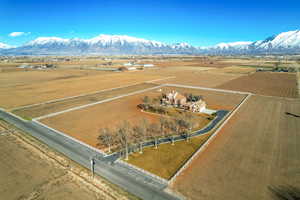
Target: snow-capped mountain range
{"type": "Point", "coordinates": [286, 42]}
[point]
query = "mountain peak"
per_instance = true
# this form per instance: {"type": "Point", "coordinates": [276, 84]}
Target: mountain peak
{"type": "Point", "coordinates": [286, 42]}
{"type": "Point", "coordinates": [45, 40]}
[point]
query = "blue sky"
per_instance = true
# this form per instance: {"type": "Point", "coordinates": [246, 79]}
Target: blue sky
{"type": "Point", "coordinates": [199, 23]}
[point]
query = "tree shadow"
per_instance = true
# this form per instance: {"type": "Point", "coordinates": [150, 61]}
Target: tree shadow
{"type": "Point", "coordinates": [294, 115]}
{"type": "Point", "coordinates": [286, 192]}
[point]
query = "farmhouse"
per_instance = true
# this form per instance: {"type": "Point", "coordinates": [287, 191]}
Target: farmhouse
{"type": "Point", "coordinates": [178, 100]}
{"type": "Point", "coordinates": [174, 98]}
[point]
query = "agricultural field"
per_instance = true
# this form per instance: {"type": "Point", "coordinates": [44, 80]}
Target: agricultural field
{"type": "Point", "coordinates": [194, 62]}
{"type": "Point", "coordinates": [25, 175]}
{"type": "Point", "coordinates": [47, 108]}
{"type": "Point", "coordinates": [14, 79]}
{"type": "Point", "coordinates": [17, 95]}
{"type": "Point", "coordinates": [265, 83]}
{"type": "Point", "coordinates": [205, 77]}
{"type": "Point", "coordinates": [234, 70]}
{"type": "Point", "coordinates": [84, 124]}
{"type": "Point", "coordinates": [214, 99]}
{"type": "Point", "coordinates": [256, 150]}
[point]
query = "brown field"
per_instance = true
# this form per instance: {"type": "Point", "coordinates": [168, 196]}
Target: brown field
{"type": "Point", "coordinates": [265, 83]}
{"type": "Point", "coordinates": [25, 175]}
{"type": "Point", "coordinates": [234, 70]}
{"type": "Point", "coordinates": [214, 100]}
{"type": "Point", "coordinates": [167, 158]}
{"type": "Point", "coordinates": [196, 62]}
{"type": "Point", "coordinates": [200, 77]}
{"type": "Point", "coordinates": [44, 109]}
{"type": "Point", "coordinates": [15, 95]}
{"type": "Point", "coordinates": [15, 79]}
{"type": "Point", "coordinates": [257, 149]}
{"type": "Point", "coordinates": [84, 124]}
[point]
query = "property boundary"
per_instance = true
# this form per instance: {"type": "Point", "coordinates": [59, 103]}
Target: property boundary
{"type": "Point", "coordinates": [95, 103]}
{"type": "Point", "coordinates": [205, 88]}
{"type": "Point", "coordinates": [160, 179]}
{"type": "Point", "coordinates": [71, 138]}
{"type": "Point", "coordinates": [210, 139]}
{"type": "Point", "coordinates": [161, 79]}
{"type": "Point", "coordinates": [81, 95]}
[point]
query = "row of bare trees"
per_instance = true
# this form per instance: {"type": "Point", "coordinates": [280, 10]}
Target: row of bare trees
{"type": "Point", "coordinates": [127, 138]}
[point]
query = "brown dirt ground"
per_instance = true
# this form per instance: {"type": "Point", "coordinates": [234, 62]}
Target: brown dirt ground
{"type": "Point", "coordinates": [197, 62]}
{"type": "Point", "coordinates": [44, 109]}
{"type": "Point", "coordinates": [15, 96]}
{"type": "Point", "coordinates": [265, 83]}
{"type": "Point", "coordinates": [258, 148]}
{"type": "Point", "coordinates": [202, 77]}
{"type": "Point", "coordinates": [84, 124]}
{"type": "Point", "coordinates": [233, 70]}
{"type": "Point", "coordinates": [25, 175]}
{"type": "Point", "coordinates": [214, 100]}
{"type": "Point", "coordinates": [15, 79]}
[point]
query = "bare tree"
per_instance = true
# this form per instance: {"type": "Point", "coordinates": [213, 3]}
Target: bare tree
{"type": "Point", "coordinates": [140, 133]}
{"type": "Point", "coordinates": [154, 131]}
{"type": "Point", "coordinates": [146, 100]}
{"type": "Point", "coordinates": [163, 124]}
{"type": "Point", "coordinates": [190, 123]}
{"type": "Point", "coordinates": [106, 137]}
{"type": "Point", "coordinates": [123, 134]}
{"type": "Point", "coordinates": [172, 126]}
{"type": "Point", "coordinates": [182, 126]}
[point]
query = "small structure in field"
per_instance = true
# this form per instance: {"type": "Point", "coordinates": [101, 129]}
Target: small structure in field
{"type": "Point", "coordinates": [191, 103]}
{"type": "Point", "coordinates": [129, 64]}
{"type": "Point", "coordinates": [148, 65]}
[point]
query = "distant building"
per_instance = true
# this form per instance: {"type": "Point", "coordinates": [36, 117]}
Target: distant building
{"type": "Point", "coordinates": [148, 65]}
{"type": "Point", "coordinates": [131, 68]}
{"type": "Point", "coordinates": [127, 64]}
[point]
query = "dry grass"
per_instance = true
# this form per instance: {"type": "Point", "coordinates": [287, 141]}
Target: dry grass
{"type": "Point", "coordinates": [15, 95]}
{"type": "Point", "coordinates": [84, 124]}
{"type": "Point", "coordinates": [214, 100]}
{"type": "Point", "coordinates": [258, 148]}
{"type": "Point", "coordinates": [44, 109]}
{"type": "Point", "coordinates": [199, 77]}
{"type": "Point", "coordinates": [234, 70]}
{"type": "Point", "coordinates": [265, 83]}
{"type": "Point", "coordinates": [25, 175]}
{"type": "Point", "coordinates": [167, 158]}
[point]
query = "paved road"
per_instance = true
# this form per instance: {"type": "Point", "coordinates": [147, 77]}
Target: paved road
{"type": "Point", "coordinates": [131, 180]}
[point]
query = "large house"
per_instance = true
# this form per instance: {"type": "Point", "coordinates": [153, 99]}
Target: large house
{"type": "Point", "coordinates": [178, 100]}
{"type": "Point", "coordinates": [174, 98]}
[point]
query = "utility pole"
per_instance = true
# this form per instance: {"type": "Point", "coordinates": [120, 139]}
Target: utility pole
{"type": "Point", "coordinates": [92, 167]}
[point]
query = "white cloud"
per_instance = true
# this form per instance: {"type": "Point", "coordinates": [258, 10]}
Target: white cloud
{"type": "Point", "coordinates": [17, 34]}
